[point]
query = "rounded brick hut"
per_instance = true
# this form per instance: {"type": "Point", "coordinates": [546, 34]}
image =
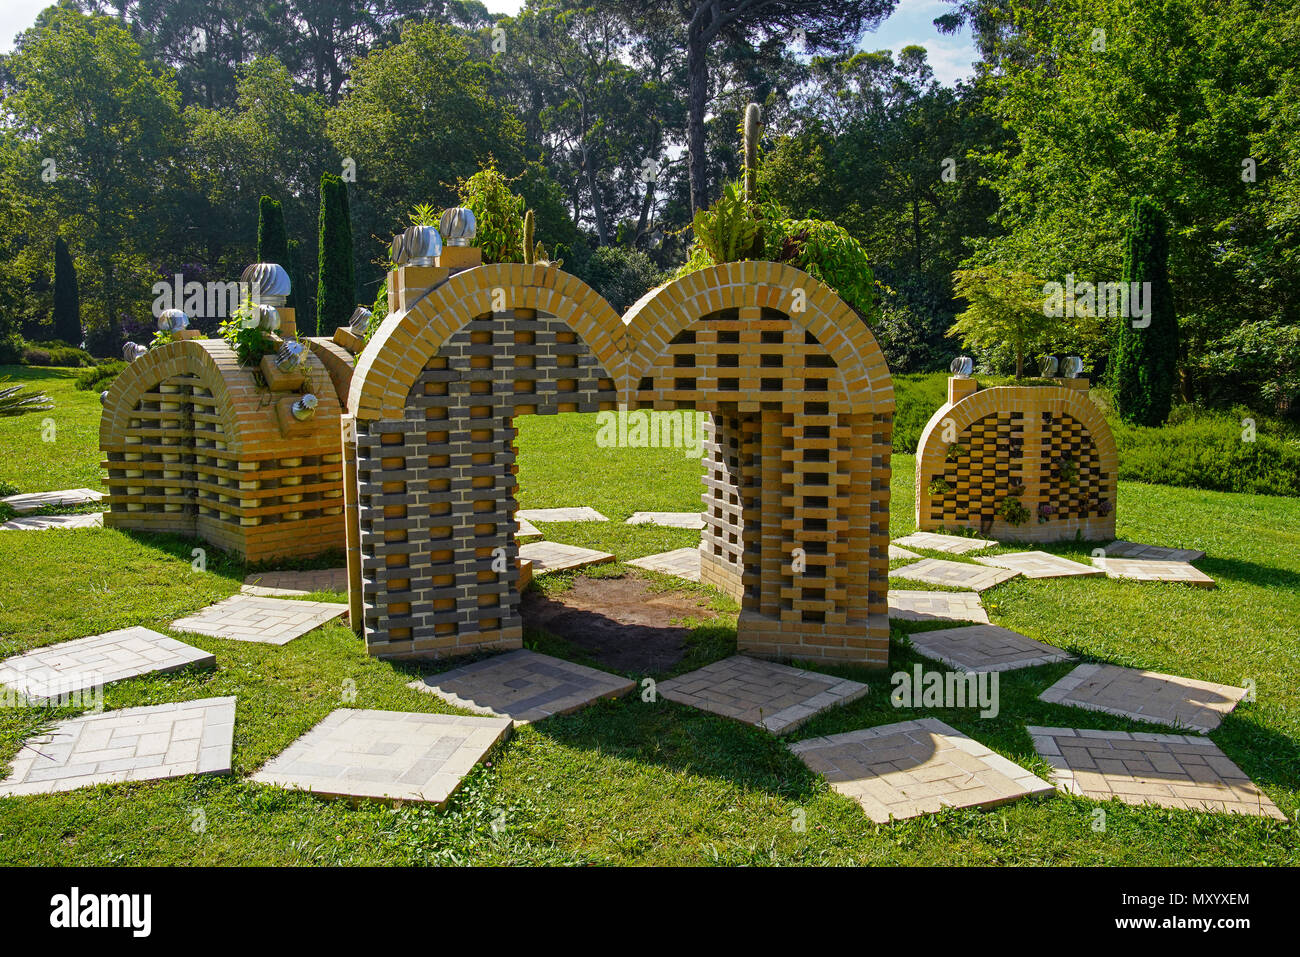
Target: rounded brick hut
{"type": "Point", "coordinates": [1040, 454]}
{"type": "Point", "coordinates": [194, 446]}
{"type": "Point", "coordinates": [799, 405]}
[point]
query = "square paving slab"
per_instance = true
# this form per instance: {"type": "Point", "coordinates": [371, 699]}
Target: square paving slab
{"type": "Point", "coordinates": [1039, 565]}
{"type": "Point", "coordinates": [554, 557]}
{"type": "Point", "coordinates": [985, 648]}
{"type": "Point", "coordinates": [38, 522]}
{"type": "Point", "coordinates": [582, 513]}
{"type": "Point", "coordinates": [270, 621]}
{"type": "Point", "coordinates": [898, 771]}
{"type": "Point", "coordinates": [772, 696]}
{"type": "Point", "coordinates": [74, 666]}
{"type": "Point", "coordinates": [32, 501]}
{"type": "Point", "coordinates": [386, 755]}
{"type": "Point", "coordinates": [952, 544]}
{"type": "Point", "coordinates": [134, 744]}
{"type": "Point", "coordinates": [896, 553]}
{"type": "Point", "coordinates": [936, 571]}
{"type": "Point", "coordinates": [526, 531]}
{"type": "Point", "coordinates": [1170, 770]}
{"type": "Point", "coordinates": [936, 606]}
{"type": "Point", "coordinates": [1153, 570]}
{"type": "Point", "coordinates": [1152, 553]}
{"type": "Point", "coordinates": [1146, 696]}
{"type": "Point", "coordinates": [289, 583]}
{"type": "Point", "coordinates": [682, 562]}
{"type": "Point", "coordinates": [668, 519]}
{"type": "Point", "coordinates": [524, 686]}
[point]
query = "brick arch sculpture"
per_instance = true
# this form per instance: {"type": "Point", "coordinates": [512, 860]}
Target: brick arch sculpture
{"type": "Point", "coordinates": [195, 446]}
{"type": "Point", "coordinates": [1047, 447]}
{"type": "Point", "coordinates": [799, 408]}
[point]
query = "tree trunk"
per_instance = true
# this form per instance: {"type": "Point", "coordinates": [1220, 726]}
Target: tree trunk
{"type": "Point", "coordinates": [698, 169]}
{"type": "Point", "coordinates": [597, 207]}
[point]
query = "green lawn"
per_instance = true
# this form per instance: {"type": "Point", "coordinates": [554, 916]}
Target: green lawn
{"type": "Point", "coordinates": [630, 781]}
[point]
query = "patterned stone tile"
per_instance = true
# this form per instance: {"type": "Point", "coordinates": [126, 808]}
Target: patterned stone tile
{"type": "Point", "coordinates": [526, 531]}
{"type": "Point", "coordinates": [386, 755]}
{"type": "Point", "coordinates": [134, 744]}
{"type": "Point", "coordinates": [271, 621]}
{"type": "Point", "coordinates": [936, 571]}
{"type": "Point", "coordinates": [668, 519]}
{"type": "Point", "coordinates": [580, 514]}
{"type": "Point", "coordinates": [289, 583]}
{"type": "Point", "coordinates": [896, 553]}
{"type": "Point", "coordinates": [1146, 696]}
{"type": "Point", "coordinates": [1170, 770]}
{"type": "Point", "coordinates": [554, 557]}
{"type": "Point", "coordinates": [1152, 553]}
{"type": "Point", "coordinates": [904, 770]}
{"type": "Point", "coordinates": [39, 522]}
{"type": "Point", "coordinates": [772, 696]}
{"type": "Point", "coordinates": [31, 501]}
{"type": "Point", "coordinates": [936, 606]}
{"type": "Point", "coordinates": [524, 686]}
{"type": "Point", "coordinates": [1151, 570]}
{"type": "Point", "coordinates": [682, 562]}
{"type": "Point", "coordinates": [1039, 565]}
{"type": "Point", "coordinates": [985, 648]}
{"type": "Point", "coordinates": [70, 667]}
{"type": "Point", "coordinates": [952, 544]}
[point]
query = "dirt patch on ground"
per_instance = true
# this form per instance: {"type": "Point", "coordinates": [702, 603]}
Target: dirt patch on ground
{"type": "Point", "coordinates": [619, 622]}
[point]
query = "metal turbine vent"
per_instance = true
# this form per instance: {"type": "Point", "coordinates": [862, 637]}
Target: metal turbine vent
{"type": "Point", "coordinates": [962, 366]}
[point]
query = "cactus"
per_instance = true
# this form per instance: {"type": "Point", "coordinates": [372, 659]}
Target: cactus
{"type": "Point", "coordinates": [530, 249]}
{"type": "Point", "coordinates": [751, 152]}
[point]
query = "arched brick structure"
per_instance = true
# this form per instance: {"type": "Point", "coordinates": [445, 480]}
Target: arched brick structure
{"type": "Point", "coordinates": [800, 406]}
{"type": "Point", "coordinates": [194, 446]}
{"type": "Point", "coordinates": [980, 448]}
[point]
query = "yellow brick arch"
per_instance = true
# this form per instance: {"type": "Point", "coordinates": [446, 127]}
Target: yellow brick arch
{"type": "Point", "coordinates": [671, 308]}
{"type": "Point", "coordinates": [395, 356]}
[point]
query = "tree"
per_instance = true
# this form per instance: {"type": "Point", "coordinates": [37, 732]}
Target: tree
{"type": "Point", "coordinates": [273, 240]}
{"type": "Point", "coordinates": [827, 27]}
{"type": "Point", "coordinates": [1004, 308]}
{"type": "Point", "coordinates": [67, 301]}
{"type": "Point", "coordinates": [336, 294]}
{"type": "Point", "coordinates": [1145, 360]}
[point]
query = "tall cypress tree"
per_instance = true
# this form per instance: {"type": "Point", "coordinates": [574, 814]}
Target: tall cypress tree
{"type": "Point", "coordinates": [273, 240]}
{"type": "Point", "coordinates": [335, 281]}
{"type": "Point", "coordinates": [67, 301]}
{"type": "Point", "coordinates": [1145, 359]}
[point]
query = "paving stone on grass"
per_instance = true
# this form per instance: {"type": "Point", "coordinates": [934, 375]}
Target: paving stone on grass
{"type": "Point", "coordinates": [555, 557]}
{"type": "Point", "coordinates": [270, 621]}
{"type": "Point", "coordinates": [936, 606]}
{"type": "Point", "coordinates": [1152, 553]}
{"type": "Point", "coordinates": [134, 744]}
{"type": "Point", "coordinates": [385, 755]}
{"type": "Point", "coordinates": [577, 514]}
{"type": "Point", "coordinates": [34, 523]}
{"type": "Point", "coordinates": [693, 520]}
{"type": "Point", "coordinates": [772, 696]}
{"type": "Point", "coordinates": [952, 544]}
{"type": "Point", "coordinates": [1151, 570]}
{"type": "Point", "coordinates": [32, 501]}
{"type": "Point", "coordinates": [71, 667]}
{"type": "Point", "coordinates": [896, 553]}
{"type": "Point", "coordinates": [289, 583]}
{"type": "Point", "coordinates": [904, 770]}
{"type": "Point", "coordinates": [936, 571]}
{"type": "Point", "coordinates": [1039, 565]}
{"type": "Point", "coordinates": [524, 686]}
{"type": "Point", "coordinates": [1169, 770]}
{"type": "Point", "coordinates": [682, 562]}
{"type": "Point", "coordinates": [526, 531]}
{"type": "Point", "coordinates": [985, 648]}
{"type": "Point", "coordinates": [1146, 696]}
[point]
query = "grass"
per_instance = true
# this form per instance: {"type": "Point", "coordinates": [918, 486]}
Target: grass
{"type": "Point", "coordinates": [650, 782]}
{"type": "Point", "coordinates": [38, 457]}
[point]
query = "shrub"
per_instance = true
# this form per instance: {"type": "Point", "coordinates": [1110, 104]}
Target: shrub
{"type": "Point", "coordinates": [620, 274]}
{"type": "Point", "coordinates": [1144, 364]}
{"type": "Point", "coordinates": [336, 282]}
{"type": "Point", "coordinates": [11, 349]}
{"type": "Point", "coordinates": [1013, 511]}
{"type": "Point", "coordinates": [100, 377]}
{"type": "Point", "coordinates": [55, 353]}
{"type": "Point", "coordinates": [498, 215]}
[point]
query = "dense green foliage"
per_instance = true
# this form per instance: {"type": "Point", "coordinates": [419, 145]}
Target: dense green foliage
{"type": "Point", "coordinates": [273, 240]}
{"type": "Point", "coordinates": [1144, 363]}
{"type": "Point", "coordinates": [336, 295]}
{"type": "Point", "coordinates": [67, 298]}
{"type": "Point", "coordinates": [498, 215]}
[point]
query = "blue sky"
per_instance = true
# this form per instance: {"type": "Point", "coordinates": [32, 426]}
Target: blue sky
{"type": "Point", "coordinates": [910, 23]}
